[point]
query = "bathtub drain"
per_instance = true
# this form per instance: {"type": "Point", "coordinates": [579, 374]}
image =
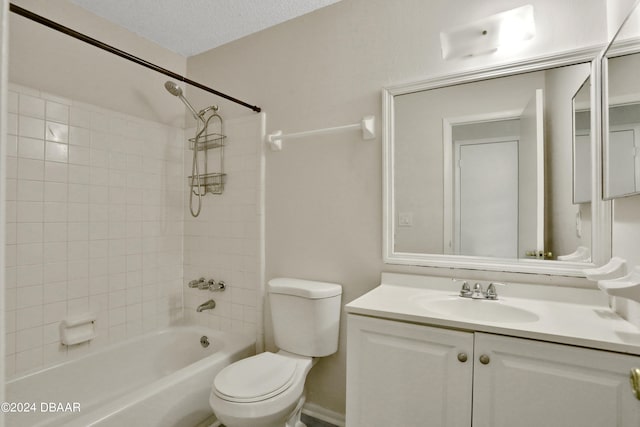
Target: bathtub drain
{"type": "Point", "coordinates": [204, 341]}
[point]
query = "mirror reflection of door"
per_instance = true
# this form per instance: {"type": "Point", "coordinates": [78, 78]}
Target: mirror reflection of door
{"type": "Point", "coordinates": [499, 185]}
{"type": "Point", "coordinates": [486, 198]}
{"type": "Point", "coordinates": [624, 146]}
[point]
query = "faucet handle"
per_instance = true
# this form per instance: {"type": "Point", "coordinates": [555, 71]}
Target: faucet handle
{"type": "Point", "coordinates": [214, 286]}
{"type": "Point", "coordinates": [196, 283]}
{"type": "Point", "coordinates": [491, 290]}
{"type": "Point", "coordinates": [465, 290]}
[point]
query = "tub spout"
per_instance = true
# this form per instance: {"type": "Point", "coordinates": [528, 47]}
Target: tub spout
{"type": "Point", "coordinates": [209, 305]}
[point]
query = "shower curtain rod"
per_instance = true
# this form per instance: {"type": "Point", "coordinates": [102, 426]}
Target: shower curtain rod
{"type": "Point", "coordinates": [97, 43]}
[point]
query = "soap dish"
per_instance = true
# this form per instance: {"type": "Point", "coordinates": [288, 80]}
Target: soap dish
{"type": "Point", "coordinates": [624, 287]}
{"type": "Point", "coordinates": [615, 268]}
{"type": "Point", "coordinates": [78, 329]}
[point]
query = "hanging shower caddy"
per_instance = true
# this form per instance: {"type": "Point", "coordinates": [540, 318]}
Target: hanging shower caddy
{"type": "Point", "coordinates": [209, 136]}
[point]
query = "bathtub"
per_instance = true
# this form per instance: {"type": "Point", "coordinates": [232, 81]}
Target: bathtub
{"type": "Point", "coordinates": [160, 379]}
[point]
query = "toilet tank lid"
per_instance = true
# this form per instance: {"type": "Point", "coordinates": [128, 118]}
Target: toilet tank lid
{"type": "Point", "coordinates": [304, 288]}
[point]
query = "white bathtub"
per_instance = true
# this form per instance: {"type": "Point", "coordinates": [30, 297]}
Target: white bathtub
{"type": "Point", "coordinates": [161, 379]}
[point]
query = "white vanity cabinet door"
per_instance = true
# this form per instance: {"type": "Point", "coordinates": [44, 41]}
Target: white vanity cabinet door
{"type": "Point", "coordinates": [402, 374]}
{"type": "Point", "coordinates": [532, 384]}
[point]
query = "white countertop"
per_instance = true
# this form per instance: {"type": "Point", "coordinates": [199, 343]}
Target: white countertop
{"type": "Point", "coordinates": [570, 316]}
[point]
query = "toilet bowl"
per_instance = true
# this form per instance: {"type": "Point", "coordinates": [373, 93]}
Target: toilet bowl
{"type": "Point", "coordinates": [267, 390]}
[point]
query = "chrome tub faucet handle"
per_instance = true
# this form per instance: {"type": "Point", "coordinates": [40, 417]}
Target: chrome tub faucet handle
{"type": "Point", "coordinates": [196, 283]}
{"type": "Point", "coordinates": [216, 286]}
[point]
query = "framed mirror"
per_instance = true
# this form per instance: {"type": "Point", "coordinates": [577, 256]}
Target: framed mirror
{"type": "Point", "coordinates": [621, 111]}
{"type": "Point", "coordinates": [480, 169]}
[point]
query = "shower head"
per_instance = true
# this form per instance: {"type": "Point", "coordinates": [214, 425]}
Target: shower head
{"type": "Point", "coordinates": [176, 90]}
{"type": "Point", "coordinates": [173, 88]}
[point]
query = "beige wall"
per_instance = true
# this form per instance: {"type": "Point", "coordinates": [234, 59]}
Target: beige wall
{"type": "Point", "coordinates": [324, 194]}
{"type": "Point", "coordinates": [56, 63]}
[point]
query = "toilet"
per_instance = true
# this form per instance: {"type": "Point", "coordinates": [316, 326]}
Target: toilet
{"type": "Point", "coordinates": [267, 390]}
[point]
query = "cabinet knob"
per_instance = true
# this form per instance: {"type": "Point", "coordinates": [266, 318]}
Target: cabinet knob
{"type": "Point", "coordinates": [634, 378]}
{"type": "Point", "coordinates": [462, 357]}
{"type": "Point", "coordinates": [484, 359]}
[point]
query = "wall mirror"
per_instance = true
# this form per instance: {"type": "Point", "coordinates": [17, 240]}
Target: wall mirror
{"type": "Point", "coordinates": [621, 111]}
{"type": "Point", "coordinates": [485, 170]}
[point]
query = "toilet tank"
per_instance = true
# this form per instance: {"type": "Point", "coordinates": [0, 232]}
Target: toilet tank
{"type": "Point", "coordinates": [305, 315]}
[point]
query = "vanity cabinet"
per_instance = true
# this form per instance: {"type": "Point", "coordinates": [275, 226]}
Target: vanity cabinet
{"type": "Point", "coordinates": [402, 374]}
{"type": "Point", "coordinates": [414, 375]}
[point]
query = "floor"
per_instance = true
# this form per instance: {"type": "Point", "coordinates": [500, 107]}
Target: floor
{"type": "Point", "coordinates": [309, 421]}
{"type": "Point", "coordinates": [313, 422]}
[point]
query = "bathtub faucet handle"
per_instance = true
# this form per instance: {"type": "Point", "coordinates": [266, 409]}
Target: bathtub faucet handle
{"type": "Point", "coordinates": [196, 283]}
{"type": "Point", "coordinates": [216, 286]}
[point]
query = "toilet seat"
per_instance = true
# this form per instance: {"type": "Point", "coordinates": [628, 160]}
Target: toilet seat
{"type": "Point", "coordinates": [256, 378]}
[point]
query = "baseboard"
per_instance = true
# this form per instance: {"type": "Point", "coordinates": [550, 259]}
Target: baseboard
{"type": "Point", "coordinates": [323, 414]}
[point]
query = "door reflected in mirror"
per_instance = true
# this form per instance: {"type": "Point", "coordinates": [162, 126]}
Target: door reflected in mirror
{"type": "Point", "coordinates": [486, 169]}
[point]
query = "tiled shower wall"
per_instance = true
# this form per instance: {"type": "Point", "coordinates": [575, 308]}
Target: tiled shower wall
{"type": "Point", "coordinates": [94, 223]}
{"type": "Point", "coordinates": [225, 241]}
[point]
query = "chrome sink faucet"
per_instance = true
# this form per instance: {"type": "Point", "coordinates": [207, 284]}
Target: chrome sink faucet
{"type": "Point", "coordinates": [478, 292]}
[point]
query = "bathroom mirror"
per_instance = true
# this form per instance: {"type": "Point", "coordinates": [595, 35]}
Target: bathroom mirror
{"type": "Point", "coordinates": [479, 169]}
{"type": "Point", "coordinates": [621, 128]}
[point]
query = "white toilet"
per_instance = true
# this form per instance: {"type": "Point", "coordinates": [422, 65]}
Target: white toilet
{"type": "Point", "coordinates": [267, 390]}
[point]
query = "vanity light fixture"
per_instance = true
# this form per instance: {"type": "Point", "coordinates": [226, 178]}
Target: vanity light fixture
{"type": "Point", "coordinates": [487, 35]}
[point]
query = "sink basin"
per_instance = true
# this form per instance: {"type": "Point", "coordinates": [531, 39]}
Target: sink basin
{"type": "Point", "coordinates": [478, 310]}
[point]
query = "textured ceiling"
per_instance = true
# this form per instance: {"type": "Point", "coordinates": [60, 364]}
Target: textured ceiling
{"type": "Point", "coordinates": [189, 27]}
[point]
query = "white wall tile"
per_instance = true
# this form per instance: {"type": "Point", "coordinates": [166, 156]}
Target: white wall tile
{"type": "Point", "coordinates": [30, 169]}
{"type": "Point", "coordinates": [30, 191]}
{"type": "Point", "coordinates": [79, 136]}
{"type": "Point", "coordinates": [55, 172]}
{"type": "Point", "coordinates": [29, 360]}
{"type": "Point", "coordinates": [57, 132]}
{"type": "Point", "coordinates": [30, 232]}
{"type": "Point", "coordinates": [79, 117]}
{"type": "Point", "coordinates": [55, 192]}
{"type": "Point", "coordinates": [29, 296]}
{"type": "Point", "coordinates": [31, 148]}
{"type": "Point", "coordinates": [31, 106]}
{"type": "Point", "coordinates": [56, 152]}
{"type": "Point", "coordinates": [27, 211]}
{"type": "Point", "coordinates": [28, 318]}
{"type": "Point", "coordinates": [79, 155]}
{"type": "Point", "coordinates": [29, 275]}
{"type": "Point", "coordinates": [30, 127]}
{"type": "Point", "coordinates": [79, 236]}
